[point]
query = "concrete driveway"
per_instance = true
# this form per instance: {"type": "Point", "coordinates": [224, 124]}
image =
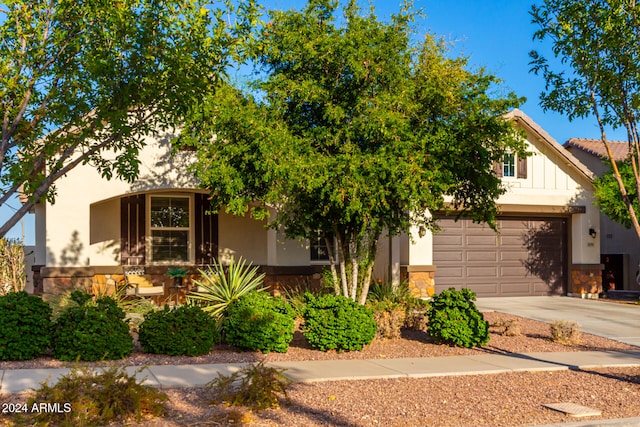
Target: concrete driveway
{"type": "Point", "coordinates": [620, 322]}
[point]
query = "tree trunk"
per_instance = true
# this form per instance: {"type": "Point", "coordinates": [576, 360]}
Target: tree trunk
{"type": "Point", "coordinates": [616, 172]}
{"type": "Point", "coordinates": [332, 263]}
{"type": "Point", "coordinates": [370, 254]}
{"type": "Point", "coordinates": [366, 284]}
{"type": "Point", "coordinates": [353, 253]}
{"type": "Point", "coordinates": [343, 266]}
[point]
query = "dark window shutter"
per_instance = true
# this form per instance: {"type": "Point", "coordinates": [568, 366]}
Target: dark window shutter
{"type": "Point", "coordinates": [498, 169]}
{"type": "Point", "coordinates": [521, 168]}
{"type": "Point", "coordinates": [206, 231]}
{"type": "Point", "coordinates": [132, 230]}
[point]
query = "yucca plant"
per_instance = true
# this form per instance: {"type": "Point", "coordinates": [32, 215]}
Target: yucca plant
{"type": "Point", "coordinates": [219, 287]}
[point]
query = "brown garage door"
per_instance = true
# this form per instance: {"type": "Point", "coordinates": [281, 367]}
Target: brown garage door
{"type": "Point", "coordinates": [526, 257]}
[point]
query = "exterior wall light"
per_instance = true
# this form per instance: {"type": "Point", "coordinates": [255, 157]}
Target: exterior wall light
{"type": "Point", "coordinates": [422, 231]}
{"type": "Point", "coordinates": [592, 232]}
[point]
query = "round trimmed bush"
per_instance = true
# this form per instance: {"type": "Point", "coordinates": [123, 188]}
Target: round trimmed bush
{"type": "Point", "coordinates": [92, 331]}
{"type": "Point", "coordinates": [26, 326]}
{"type": "Point", "coordinates": [258, 321]}
{"type": "Point", "coordinates": [454, 319]}
{"type": "Point", "coordinates": [186, 330]}
{"type": "Point", "coordinates": [334, 322]}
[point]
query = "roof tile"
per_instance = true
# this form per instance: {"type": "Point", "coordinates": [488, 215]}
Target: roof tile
{"type": "Point", "coordinates": [619, 149]}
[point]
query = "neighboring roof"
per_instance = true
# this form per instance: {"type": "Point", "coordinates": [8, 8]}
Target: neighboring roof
{"type": "Point", "coordinates": [526, 121]}
{"type": "Point", "coordinates": [619, 149]}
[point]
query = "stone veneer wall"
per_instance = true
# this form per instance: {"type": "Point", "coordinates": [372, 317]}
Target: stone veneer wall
{"type": "Point", "coordinates": [586, 280]}
{"type": "Point", "coordinates": [51, 281]}
{"type": "Point", "coordinates": [422, 282]}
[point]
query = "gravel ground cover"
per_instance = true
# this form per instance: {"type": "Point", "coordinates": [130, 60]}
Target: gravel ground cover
{"type": "Point", "coordinates": [513, 399]}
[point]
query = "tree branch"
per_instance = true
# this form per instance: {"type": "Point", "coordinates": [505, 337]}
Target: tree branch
{"type": "Point", "coordinates": [614, 165]}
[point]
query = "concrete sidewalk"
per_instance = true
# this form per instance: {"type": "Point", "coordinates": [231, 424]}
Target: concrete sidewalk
{"type": "Point", "coordinates": [168, 376]}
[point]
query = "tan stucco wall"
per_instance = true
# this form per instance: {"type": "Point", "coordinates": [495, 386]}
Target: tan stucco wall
{"type": "Point", "coordinates": [104, 232]}
{"type": "Point", "coordinates": [84, 223]}
{"type": "Point", "coordinates": [241, 236]}
{"type": "Point", "coordinates": [288, 251]}
{"type": "Point", "coordinates": [72, 237]}
{"type": "Point", "coordinates": [420, 247]}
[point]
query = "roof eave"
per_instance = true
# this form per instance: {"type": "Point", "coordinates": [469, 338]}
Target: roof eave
{"type": "Point", "coordinates": [521, 118]}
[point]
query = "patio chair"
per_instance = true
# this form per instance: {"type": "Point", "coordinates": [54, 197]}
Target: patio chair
{"type": "Point", "coordinates": [140, 284]}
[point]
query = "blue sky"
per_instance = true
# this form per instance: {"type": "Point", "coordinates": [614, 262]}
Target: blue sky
{"type": "Point", "coordinates": [494, 34]}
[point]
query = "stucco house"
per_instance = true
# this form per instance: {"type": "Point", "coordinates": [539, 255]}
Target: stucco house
{"type": "Point", "coordinates": [618, 245]}
{"type": "Point", "coordinates": [545, 244]}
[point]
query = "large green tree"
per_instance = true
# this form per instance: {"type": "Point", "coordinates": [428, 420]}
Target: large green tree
{"type": "Point", "coordinates": [349, 130]}
{"type": "Point", "coordinates": [597, 43]}
{"type": "Point", "coordinates": [84, 81]}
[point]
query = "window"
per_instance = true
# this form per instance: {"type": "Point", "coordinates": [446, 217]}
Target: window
{"type": "Point", "coordinates": [509, 165]}
{"type": "Point", "coordinates": [318, 249]}
{"type": "Point", "coordinates": [170, 228]}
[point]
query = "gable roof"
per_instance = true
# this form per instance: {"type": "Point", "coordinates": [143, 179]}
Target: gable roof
{"type": "Point", "coordinates": [569, 159]}
{"type": "Point", "coordinates": [619, 149]}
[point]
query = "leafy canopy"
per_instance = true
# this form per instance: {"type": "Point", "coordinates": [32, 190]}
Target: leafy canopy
{"type": "Point", "coordinates": [607, 193]}
{"type": "Point", "coordinates": [347, 126]}
{"type": "Point", "coordinates": [598, 45]}
{"type": "Point", "coordinates": [83, 82]}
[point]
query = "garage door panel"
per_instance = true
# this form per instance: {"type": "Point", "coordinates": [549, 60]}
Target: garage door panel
{"type": "Point", "coordinates": [451, 273]}
{"type": "Point", "coordinates": [527, 257]}
{"type": "Point", "coordinates": [513, 256]}
{"type": "Point", "coordinates": [509, 289]}
{"type": "Point", "coordinates": [482, 256]}
{"type": "Point", "coordinates": [448, 240]}
{"type": "Point", "coordinates": [511, 272]}
{"type": "Point", "coordinates": [541, 289]}
{"type": "Point", "coordinates": [448, 256]}
{"type": "Point", "coordinates": [485, 289]}
{"type": "Point", "coordinates": [481, 240]}
{"type": "Point", "coordinates": [513, 228]}
{"type": "Point", "coordinates": [481, 272]}
{"type": "Point", "coordinates": [515, 241]}
{"type": "Point", "coordinates": [452, 225]}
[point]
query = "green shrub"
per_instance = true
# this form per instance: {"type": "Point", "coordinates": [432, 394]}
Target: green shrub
{"type": "Point", "coordinates": [454, 319]}
{"type": "Point", "coordinates": [334, 322]}
{"type": "Point", "coordinates": [294, 295]}
{"type": "Point", "coordinates": [26, 326]}
{"type": "Point", "coordinates": [95, 398]}
{"type": "Point", "coordinates": [186, 330]}
{"type": "Point", "coordinates": [91, 331]}
{"type": "Point", "coordinates": [255, 386]}
{"type": "Point", "coordinates": [258, 321]}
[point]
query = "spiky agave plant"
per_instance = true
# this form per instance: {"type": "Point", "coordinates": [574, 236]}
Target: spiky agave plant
{"type": "Point", "coordinates": [220, 286]}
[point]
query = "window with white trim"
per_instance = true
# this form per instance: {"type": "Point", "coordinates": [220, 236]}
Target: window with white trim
{"type": "Point", "coordinates": [509, 165]}
{"type": "Point", "coordinates": [170, 228]}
